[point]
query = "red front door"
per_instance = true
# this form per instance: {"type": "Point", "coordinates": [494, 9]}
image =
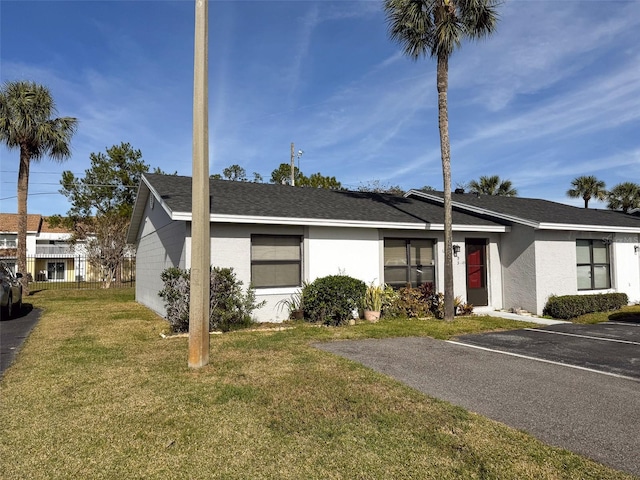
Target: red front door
{"type": "Point", "coordinates": [477, 293]}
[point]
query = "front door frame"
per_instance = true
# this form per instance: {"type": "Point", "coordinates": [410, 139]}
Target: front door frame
{"type": "Point", "coordinates": [476, 271]}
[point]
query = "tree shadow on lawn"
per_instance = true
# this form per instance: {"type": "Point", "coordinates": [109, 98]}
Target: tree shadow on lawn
{"type": "Point", "coordinates": [628, 317]}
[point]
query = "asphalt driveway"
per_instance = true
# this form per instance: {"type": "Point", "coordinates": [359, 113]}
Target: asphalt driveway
{"type": "Point", "coordinates": [13, 333]}
{"type": "Point", "coordinates": [580, 393]}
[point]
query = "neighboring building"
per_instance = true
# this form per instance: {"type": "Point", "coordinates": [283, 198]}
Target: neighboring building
{"type": "Point", "coordinates": [50, 255]}
{"type": "Point", "coordinates": [509, 252]}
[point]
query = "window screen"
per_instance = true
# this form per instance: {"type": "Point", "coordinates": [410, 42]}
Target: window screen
{"type": "Point", "coordinates": [276, 261]}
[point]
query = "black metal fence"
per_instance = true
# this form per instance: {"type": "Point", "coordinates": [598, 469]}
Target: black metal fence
{"type": "Point", "coordinates": [47, 272]}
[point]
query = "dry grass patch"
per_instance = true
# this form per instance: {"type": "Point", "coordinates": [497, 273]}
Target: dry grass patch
{"type": "Point", "coordinates": [97, 393]}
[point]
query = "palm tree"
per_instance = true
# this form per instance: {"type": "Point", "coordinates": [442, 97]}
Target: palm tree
{"type": "Point", "coordinates": [26, 109]}
{"type": "Point", "coordinates": [493, 185]}
{"type": "Point", "coordinates": [624, 196]}
{"type": "Point", "coordinates": [436, 28]}
{"type": "Point", "coordinates": [587, 187]}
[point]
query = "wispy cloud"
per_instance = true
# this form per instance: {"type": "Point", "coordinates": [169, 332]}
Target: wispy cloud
{"type": "Point", "coordinates": [535, 48]}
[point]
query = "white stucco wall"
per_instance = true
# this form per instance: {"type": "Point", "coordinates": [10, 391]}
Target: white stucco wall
{"type": "Point", "coordinates": [326, 251]}
{"type": "Point", "coordinates": [346, 251]}
{"type": "Point", "coordinates": [160, 245]}
{"type": "Point", "coordinates": [625, 265]}
{"type": "Point", "coordinates": [231, 248]}
{"type": "Point", "coordinates": [31, 245]}
{"type": "Point", "coordinates": [556, 270]}
{"type": "Point", "coordinates": [553, 259]}
{"type": "Point", "coordinates": [518, 255]}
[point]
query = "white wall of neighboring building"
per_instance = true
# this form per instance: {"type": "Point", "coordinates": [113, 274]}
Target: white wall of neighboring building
{"type": "Point", "coordinates": [31, 244]}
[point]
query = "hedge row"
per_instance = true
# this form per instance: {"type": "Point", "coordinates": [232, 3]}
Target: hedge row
{"type": "Point", "coordinates": [571, 306]}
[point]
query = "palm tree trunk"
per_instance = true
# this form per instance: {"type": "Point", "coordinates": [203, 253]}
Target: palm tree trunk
{"type": "Point", "coordinates": [445, 151]}
{"type": "Point", "coordinates": [23, 190]}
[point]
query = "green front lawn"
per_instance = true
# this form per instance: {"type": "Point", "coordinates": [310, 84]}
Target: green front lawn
{"type": "Point", "coordinates": [625, 314]}
{"type": "Point", "coordinates": [96, 392]}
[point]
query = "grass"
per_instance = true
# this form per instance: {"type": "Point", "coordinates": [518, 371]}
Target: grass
{"type": "Point", "coordinates": [97, 393]}
{"type": "Point", "coordinates": [629, 314]}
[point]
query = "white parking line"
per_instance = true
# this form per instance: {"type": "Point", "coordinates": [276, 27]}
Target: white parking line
{"type": "Point", "coordinates": [582, 336]}
{"type": "Point", "coordinates": [542, 360]}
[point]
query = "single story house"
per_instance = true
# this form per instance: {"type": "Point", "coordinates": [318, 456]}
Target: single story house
{"type": "Point", "coordinates": [509, 252]}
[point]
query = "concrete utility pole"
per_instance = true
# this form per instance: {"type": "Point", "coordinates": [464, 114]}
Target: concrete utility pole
{"type": "Point", "coordinates": [293, 166]}
{"type": "Point", "coordinates": [200, 235]}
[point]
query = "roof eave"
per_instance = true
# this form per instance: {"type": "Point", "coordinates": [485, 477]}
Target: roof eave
{"type": "Point", "coordinates": [476, 210]}
{"type": "Point", "coordinates": [589, 228]}
{"type": "Point", "coordinates": [220, 218]}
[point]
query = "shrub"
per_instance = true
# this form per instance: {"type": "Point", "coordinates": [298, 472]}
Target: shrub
{"type": "Point", "coordinates": [230, 308]}
{"type": "Point", "coordinates": [461, 308]}
{"type": "Point", "coordinates": [409, 303]}
{"type": "Point", "coordinates": [433, 299]}
{"type": "Point", "coordinates": [415, 302]}
{"type": "Point", "coordinates": [389, 298]}
{"type": "Point", "coordinates": [571, 306]}
{"type": "Point", "coordinates": [332, 299]}
{"type": "Point", "coordinates": [176, 297]}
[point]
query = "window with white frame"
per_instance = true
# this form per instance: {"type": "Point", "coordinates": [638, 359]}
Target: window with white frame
{"type": "Point", "coordinates": [276, 261]}
{"type": "Point", "coordinates": [8, 240]}
{"type": "Point", "coordinates": [408, 261]}
{"type": "Point", "coordinates": [593, 264]}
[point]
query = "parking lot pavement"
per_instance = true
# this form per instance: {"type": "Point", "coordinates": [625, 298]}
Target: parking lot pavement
{"type": "Point", "coordinates": [612, 348]}
{"type": "Point", "coordinates": [13, 333]}
{"type": "Point", "coordinates": [588, 412]}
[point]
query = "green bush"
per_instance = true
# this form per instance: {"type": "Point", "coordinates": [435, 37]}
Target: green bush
{"type": "Point", "coordinates": [389, 299]}
{"type": "Point", "coordinates": [571, 306]}
{"type": "Point", "coordinates": [176, 297]}
{"type": "Point", "coordinates": [230, 308]}
{"type": "Point", "coordinates": [332, 300]}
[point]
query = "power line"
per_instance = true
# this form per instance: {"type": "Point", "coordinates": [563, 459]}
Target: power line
{"type": "Point", "coordinates": [39, 173]}
{"type": "Point", "coordinates": [31, 195]}
{"type": "Point", "coordinates": [79, 184]}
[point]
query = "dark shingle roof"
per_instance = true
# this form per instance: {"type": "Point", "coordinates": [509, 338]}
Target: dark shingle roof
{"type": "Point", "coordinates": [282, 201]}
{"type": "Point", "coordinates": [542, 211]}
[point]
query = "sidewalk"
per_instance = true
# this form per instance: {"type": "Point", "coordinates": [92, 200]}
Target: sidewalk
{"type": "Point", "coordinates": [522, 318]}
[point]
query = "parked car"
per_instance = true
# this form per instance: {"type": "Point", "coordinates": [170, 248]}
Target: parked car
{"type": "Point", "coordinates": [10, 293]}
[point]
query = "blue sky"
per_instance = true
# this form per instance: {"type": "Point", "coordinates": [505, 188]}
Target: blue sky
{"type": "Point", "coordinates": [553, 95]}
